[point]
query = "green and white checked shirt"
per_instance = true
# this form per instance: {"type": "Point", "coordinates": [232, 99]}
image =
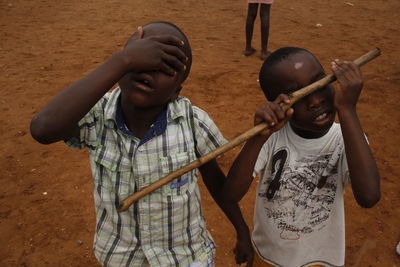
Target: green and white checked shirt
{"type": "Point", "coordinates": [166, 227]}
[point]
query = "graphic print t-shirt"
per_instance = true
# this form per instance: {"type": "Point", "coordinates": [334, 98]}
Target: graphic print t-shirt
{"type": "Point", "coordinates": [299, 212]}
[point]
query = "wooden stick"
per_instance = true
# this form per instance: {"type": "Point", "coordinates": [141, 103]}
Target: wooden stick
{"type": "Point", "coordinates": [294, 97]}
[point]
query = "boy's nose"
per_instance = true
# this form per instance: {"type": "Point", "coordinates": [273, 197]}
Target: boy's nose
{"type": "Point", "coordinates": [315, 100]}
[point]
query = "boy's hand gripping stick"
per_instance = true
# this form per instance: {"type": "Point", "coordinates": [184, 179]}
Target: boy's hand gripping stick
{"type": "Point", "coordinates": [294, 97]}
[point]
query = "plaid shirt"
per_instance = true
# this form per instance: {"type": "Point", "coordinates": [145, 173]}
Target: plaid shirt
{"type": "Point", "coordinates": [166, 227]}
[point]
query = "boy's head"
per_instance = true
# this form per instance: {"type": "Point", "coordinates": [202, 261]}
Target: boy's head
{"type": "Point", "coordinates": [162, 88]}
{"type": "Point", "coordinates": [289, 69]}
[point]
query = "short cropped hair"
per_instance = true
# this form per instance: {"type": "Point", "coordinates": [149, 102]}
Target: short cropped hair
{"type": "Point", "coordinates": [186, 47]}
{"type": "Point", "coordinates": [273, 59]}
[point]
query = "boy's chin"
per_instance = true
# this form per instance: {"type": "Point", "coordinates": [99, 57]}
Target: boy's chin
{"type": "Point", "coordinates": [312, 131]}
{"type": "Point", "coordinates": [324, 126]}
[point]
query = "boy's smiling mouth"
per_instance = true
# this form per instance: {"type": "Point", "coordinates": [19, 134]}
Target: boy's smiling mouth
{"type": "Point", "coordinates": [322, 117]}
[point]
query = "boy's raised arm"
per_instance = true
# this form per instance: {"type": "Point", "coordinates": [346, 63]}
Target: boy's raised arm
{"type": "Point", "coordinates": [240, 175]}
{"type": "Point", "coordinates": [364, 176]}
{"type": "Point", "coordinates": [59, 118]}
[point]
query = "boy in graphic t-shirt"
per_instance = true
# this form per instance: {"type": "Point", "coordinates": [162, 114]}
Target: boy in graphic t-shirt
{"type": "Point", "coordinates": [304, 165]}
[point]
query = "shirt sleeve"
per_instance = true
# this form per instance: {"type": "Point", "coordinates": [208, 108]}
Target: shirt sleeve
{"type": "Point", "coordinates": [89, 127]}
{"type": "Point", "coordinates": [208, 136]}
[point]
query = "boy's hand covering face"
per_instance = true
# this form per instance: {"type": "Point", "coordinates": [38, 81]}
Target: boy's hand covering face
{"type": "Point", "coordinates": [154, 53]}
{"type": "Point", "coordinates": [273, 114]}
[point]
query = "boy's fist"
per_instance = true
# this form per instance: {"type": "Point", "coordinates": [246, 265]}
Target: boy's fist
{"type": "Point", "coordinates": [350, 80]}
{"type": "Point", "coordinates": [273, 114]}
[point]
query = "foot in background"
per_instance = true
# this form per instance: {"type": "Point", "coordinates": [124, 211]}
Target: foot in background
{"type": "Point", "coordinates": [249, 51]}
{"type": "Point", "coordinates": [264, 55]}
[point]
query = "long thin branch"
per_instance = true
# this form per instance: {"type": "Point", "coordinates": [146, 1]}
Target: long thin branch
{"type": "Point", "coordinates": [294, 97]}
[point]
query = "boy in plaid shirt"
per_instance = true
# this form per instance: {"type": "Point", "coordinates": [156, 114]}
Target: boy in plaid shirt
{"type": "Point", "coordinates": [136, 134]}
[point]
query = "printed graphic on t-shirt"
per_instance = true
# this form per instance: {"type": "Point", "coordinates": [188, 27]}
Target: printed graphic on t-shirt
{"type": "Point", "coordinates": [298, 197]}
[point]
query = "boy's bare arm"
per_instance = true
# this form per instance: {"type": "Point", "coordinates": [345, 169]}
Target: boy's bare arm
{"type": "Point", "coordinates": [59, 118]}
{"type": "Point", "coordinates": [228, 192]}
{"type": "Point", "coordinates": [364, 176]}
{"type": "Point", "coordinates": [214, 180]}
{"type": "Point", "coordinates": [240, 175]}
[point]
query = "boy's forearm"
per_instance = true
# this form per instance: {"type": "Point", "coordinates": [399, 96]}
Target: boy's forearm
{"type": "Point", "coordinates": [214, 180]}
{"type": "Point", "coordinates": [363, 171]}
{"type": "Point", "coordinates": [232, 211]}
{"type": "Point", "coordinates": [234, 214]}
{"type": "Point", "coordinates": [64, 111]}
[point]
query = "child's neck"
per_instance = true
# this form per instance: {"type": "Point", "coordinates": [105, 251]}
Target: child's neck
{"type": "Point", "coordinates": [308, 134]}
{"type": "Point", "coordinates": [139, 120]}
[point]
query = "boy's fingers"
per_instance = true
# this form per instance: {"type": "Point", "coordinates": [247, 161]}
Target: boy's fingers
{"type": "Point", "coordinates": [346, 71]}
{"type": "Point", "coordinates": [289, 113]}
{"type": "Point", "coordinates": [270, 118]}
{"type": "Point", "coordinates": [337, 70]}
{"type": "Point", "coordinates": [343, 66]}
{"type": "Point", "coordinates": [287, 117]}
{"type": "Point", "coordinates": [170, 39]}
{"type": "Point", "coordinates": [138, 34]}
{"type": "Point", "coordinates": [173, 62]}
{"type": "Point", "coordinates": [140, 31]}
{"type": "Point", "coordinates": [282, 122]}
{"type": "Point", "coordinates": [177, 52]}
{"type": "Point", "coordinates": [266, 116]}
{"type": "Point", "coordinates": [282, 98]}
{"type": "Point", "coordinates": [355, 68]}
{"type": "Point", "coordinates": [279, 113]}
{"type": "Point", "coordinates": [167, 69]}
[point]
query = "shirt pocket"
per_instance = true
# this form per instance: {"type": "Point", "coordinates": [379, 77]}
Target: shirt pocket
{"type": "Point", "coordinates": [113, 171]}
{"type": "Point", "coordinates": [180, 185]}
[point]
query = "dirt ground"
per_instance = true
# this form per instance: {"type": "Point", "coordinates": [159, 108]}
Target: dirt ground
{"type": "Point", "coordinates": [46, 205]}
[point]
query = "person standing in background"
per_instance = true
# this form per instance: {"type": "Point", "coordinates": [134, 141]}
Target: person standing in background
{"type": "Point", "coordinates": [265, 7]}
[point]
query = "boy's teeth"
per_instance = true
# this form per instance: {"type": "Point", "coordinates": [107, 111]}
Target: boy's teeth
{"type": "Point", "coordinates": [320, 117]}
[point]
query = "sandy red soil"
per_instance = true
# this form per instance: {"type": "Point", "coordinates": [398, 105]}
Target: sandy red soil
{"type": "Point", "coordinates": [46, 205]}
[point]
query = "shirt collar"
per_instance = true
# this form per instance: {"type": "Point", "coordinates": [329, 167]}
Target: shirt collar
{"type": "Point", "coordinates": [110, 109]}
{"type": "Point", "coordinates": [157, 128]}
{"type": "Point", "coordinates": [175, 110]}
{"type": "Point", "coordinates": [114, 116]}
